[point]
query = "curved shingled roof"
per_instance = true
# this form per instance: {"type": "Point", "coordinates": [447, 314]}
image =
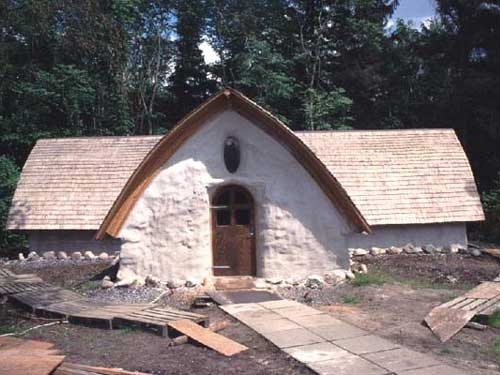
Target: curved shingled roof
{"type": "Point", "coordinates": [392, 176]}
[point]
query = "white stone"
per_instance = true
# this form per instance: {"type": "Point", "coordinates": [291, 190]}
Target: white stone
{"type": "Point", "coordinates": [274, 280]}
{"type": "Point", "coordinates": [33, 256]}
{"type": "Point", "coordinates": [456, 248]}
{"type": "Point", "coordinates": [314, 282]}
{"type": "Point", "coordinates": [62, 255]}
{"type": "Point", "coordinates": [350, 275]}
{"type": "Point", "coordinates": [429, 249]}
{"type": "Point", "coordinates": [21, 257]}
{"type": "Point", "coordinates": [360, 252]}
{"type": "Point", "coordinates": [103, 256]}
{"type": "Point", "coordinates": [475, 252]}
{"type": "Point", "coordinates": [394, 250]}
{"type": "Point", "coordinates": [377, 251]}
{"type": "Point", "coordinates": [152, 281]}
{"type": "Point", "coordinates": [49, 255]}
{"type": "Point", "coordinates": [191, 282]}
{"type": "Point", "coordinates": [175, 283]}
{"type": "Point", "coordinates": [89, 255]}
{"type": "Point", "coordinates": [260, 283]}
{"type": "Point", "coordinates": [76, 255]}
{"type": "Point", "coordinates": [409, 248]}
{"type": "Point", "coordinates": [127, 278]}
{"type": "Point", "coordinates": [363, 268]}
{"type": "Point", "coordinates": [298, 231]}
{"type": "Point", "coordinates": [107, 283]}
{"type": "Point", "coordinates": [334, 277]}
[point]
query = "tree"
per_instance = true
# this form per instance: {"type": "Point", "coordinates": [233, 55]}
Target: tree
{"type": "Point", "coordinates": [191, 83]}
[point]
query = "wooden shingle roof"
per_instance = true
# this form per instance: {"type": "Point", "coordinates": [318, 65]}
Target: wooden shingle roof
{"type": "Point", "coordinates": [71, 183]}
{"type": "Point", "coordinates": [393, 177]}
{"type": "Point", "coordinates": [401, 176]}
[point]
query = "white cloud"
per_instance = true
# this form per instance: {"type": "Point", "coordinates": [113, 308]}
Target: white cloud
{"type": "Point", "coordinates": [209, 54]}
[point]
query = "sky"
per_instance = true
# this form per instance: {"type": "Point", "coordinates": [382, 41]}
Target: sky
{"type": "Point", "coordinates": [417, 11]}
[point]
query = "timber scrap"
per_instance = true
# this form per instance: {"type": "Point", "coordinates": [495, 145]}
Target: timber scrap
{"type": "Point", "coordinates": [449, 318]}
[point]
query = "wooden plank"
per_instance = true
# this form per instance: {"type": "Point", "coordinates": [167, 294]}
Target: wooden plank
{"type": "Point", "coordinates": [449, 318]}
{"type": "Point", "coordinates": [28, 364]}
{"type": "Point", "coordinates": [75, 368]}
{"type": "Point", "coordinates": [486, 290]}
{"type": "Point", "coordinates": [208, 338]}
{"type": "Point", "coordinates": [446, 322]}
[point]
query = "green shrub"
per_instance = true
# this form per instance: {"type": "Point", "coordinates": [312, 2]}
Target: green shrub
{"type": "Point", "coordinates": [370, 278]}
{"type": "Point", "coordinates": [495, 348]}
{"type": "Point", "coordinates": [490, 229]}
{"type": "Point", "coordinates": [494, 319]}
{"type": "Point", "coordinates": [351, 300]}
{"type": "Point", "coordinates": [10, 243]}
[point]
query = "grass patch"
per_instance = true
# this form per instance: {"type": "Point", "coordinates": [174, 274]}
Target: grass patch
{"type": "Point", "coordinates": [351, 300]}
{"type": "Point", "coordinates": [88, 286]}
{"type": "Point", "coordinates": [495, 348]}
{"type": "Point", "coordinates": [7, 329]}
{"type": "Point", "coordinates": [494, 319]}
{"type": "Point", "coordinates": [370, 278]}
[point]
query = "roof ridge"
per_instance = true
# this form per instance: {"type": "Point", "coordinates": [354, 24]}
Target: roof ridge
{"type": "Point", "coordinates": [374, 130]}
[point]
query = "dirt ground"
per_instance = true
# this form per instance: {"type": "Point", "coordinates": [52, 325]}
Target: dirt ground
{"type": "Point", "coordinates": [412, 286]}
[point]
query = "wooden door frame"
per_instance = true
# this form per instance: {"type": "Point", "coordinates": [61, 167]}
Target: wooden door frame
{"type": "Point", "coordinates": [213, 196]}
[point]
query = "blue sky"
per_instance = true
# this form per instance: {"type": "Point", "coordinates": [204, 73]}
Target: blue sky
{"type": "Point", "coordinates": [417, 11]}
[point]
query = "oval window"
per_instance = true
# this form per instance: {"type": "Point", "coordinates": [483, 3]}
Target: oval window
{"type": "Point", "coordinates": [232, 154]}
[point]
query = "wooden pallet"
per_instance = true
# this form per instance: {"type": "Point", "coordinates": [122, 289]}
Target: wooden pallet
{"type": "Point", "coordinates": [12, 287]}
{"type": "Point", "coordinates": [91, 312]}
{"type": "Point", "coordinates": [447, 319]}
{"type": "Point", "coordinates": [157, 319]}
{"type": "Point", "coordinates": [36, 300]}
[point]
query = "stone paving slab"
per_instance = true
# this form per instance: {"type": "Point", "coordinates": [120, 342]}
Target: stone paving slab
{"type": "Point", "coordinates": [271, 305]}
{"type": "Point", "coordinates": [292, 337]}
{"type": "Point", "coordinates": [330, 346]}
{"type": "Point", "coordinates": [276, 325]}
{"type": "Point", "coordinates": [365, 344]}
{"type": "Point", "coordinates": [401, 359]}
{"type": "Point", "coordinates": [435, 370]}
{"type": "Point", "coordinates": [241, 307]}
{"type": "Point", "coordinates": [316, 352]}
{"type": "Point", "coordinates": [256, 316]}
{"type": "Point", "coordinates": [296, 311]}
{"type": "Point", "coordinates": [338, 330]}
{"type": "Point", "coordinates": [316, 320]}
{"type": "Point", "coordinates": [348, 364]}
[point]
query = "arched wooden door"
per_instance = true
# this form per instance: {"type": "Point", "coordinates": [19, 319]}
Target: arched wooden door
{"type": "Point", "coordinates": [233, 232]}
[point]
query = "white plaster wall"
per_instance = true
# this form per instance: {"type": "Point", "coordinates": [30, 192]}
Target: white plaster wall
{"type": "Point", "coordinates": [418, 235]}
{"type": "Point", "coordinates": [298, 231]}
{"type": "Point", "coordinates": [70, 241]}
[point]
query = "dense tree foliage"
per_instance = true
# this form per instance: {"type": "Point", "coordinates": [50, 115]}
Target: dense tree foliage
{"type": "Point", "coordinates": [93, 67]}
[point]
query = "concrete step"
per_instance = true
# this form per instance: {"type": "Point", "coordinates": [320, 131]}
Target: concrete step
{"type": "Point", "coordinates": [234, 282]}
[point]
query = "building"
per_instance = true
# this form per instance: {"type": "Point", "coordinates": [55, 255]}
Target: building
{"type": "Point", "coordinates": [231, 190]}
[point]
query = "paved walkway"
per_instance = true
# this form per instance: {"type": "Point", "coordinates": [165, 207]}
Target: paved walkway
{"type": "Point", "coordinates": [329, 346]}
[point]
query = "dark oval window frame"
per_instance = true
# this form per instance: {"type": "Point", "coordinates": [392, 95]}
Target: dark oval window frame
{"type": "Point", "coordinates": [232, 154]}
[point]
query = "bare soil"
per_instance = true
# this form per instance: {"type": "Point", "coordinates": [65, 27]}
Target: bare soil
{"type": "Point", "coordinates": [136, 350]}
{"type": "Point", "coordinates": [395, 310]}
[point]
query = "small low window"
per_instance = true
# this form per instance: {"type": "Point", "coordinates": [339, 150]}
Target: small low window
{"type": "Point", "coordinates": [240, 197]}
{"type": "Point", "coordinates": [242, 217]}
{"type": "Point", "coordinates": [223, 217]}
{"type": "Point", "coordinates": [223, 199]}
